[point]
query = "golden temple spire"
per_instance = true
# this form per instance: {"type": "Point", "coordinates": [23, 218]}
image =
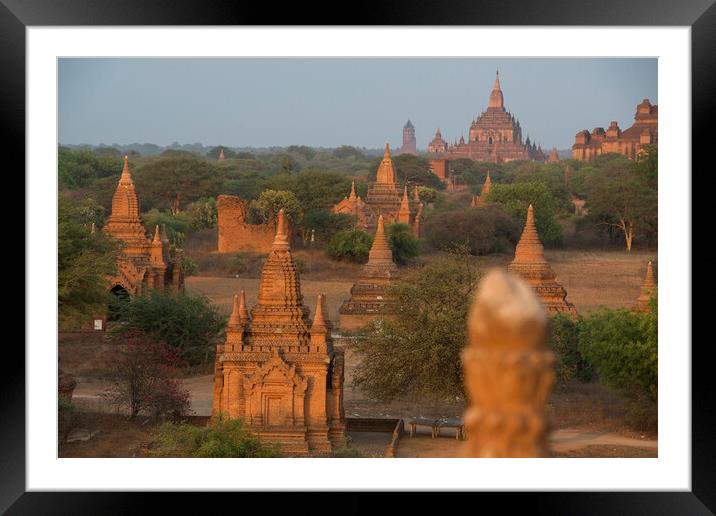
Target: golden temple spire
{"type": "Point", "coordinates": [235, 319]}
{"type": "Point", "coordinates": [386, 154]}
{"type": "Point", "coordinates": [319, 320]}
{"type": "Point", "coordinates": [157, 238]}
{"type": "Point", "coordinates": [529, 248]}
{"type": "Point", "coordinates": [352, 196]}
{"type": "Point", "coordinates": [243, 312]}
{"type": "Point", "coordinates": [280, 241]}
{"type": "Point", "coordinates": [126, 177]}
{"type": "Point", "coordinates": [380, 251]}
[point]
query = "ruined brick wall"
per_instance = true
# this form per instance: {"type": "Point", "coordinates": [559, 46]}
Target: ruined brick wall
{"type": "Point", "coordinates": [235, 234]}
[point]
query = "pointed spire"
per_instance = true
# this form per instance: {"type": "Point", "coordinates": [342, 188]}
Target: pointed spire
{"type": "Point", "coordinates": [353, 196]}
{"type": "Point", "coordinates": [319, 320]}
{"type": "Point", "coordinates": [496, 98]}
{"type": "Point", "coordinates": [221, 154]}
{"type": "Point", "coordinates": [386, 154]}
{"type": "Point", "coordinates": [280, 241]}
{"type": "Point", "coordinates": [529, 248]}
{"type": "Point", "coordinates": [157, 238]}
{"type": "Point", "coordinates": [126, 177]}
{"type": "Point", "coordinates": [234, 319]}
{"type": "Point", "coordinates": [93, 229]}
{"type": "Point", "coordinates": [380, 252]}
{"type": "Point", "coordinates": [416, 194]}
{"type": "Point", "coordinates": [243, 312]}
{"type": "Point", "coordinates": [648, 288]}
{"type": "Point", "coordinates": [165, 238]}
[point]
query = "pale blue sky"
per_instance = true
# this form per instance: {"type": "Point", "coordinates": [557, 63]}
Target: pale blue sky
{"type": "Point", "coordinates": [319, 102]}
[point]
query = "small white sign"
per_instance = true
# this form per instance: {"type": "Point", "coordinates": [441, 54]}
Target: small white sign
{"type": "Point", "coordinates": [98, 324]}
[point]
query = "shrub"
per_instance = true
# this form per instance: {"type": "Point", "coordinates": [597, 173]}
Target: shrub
{"type": "Point", "coordinates": [238, 264]}
{"type": "Point", "coordinates": [143, 371]}
{"type": "Point", "coordinates": [190, 323]}
{"type": "Point", "coordinates": [351, 246]}
{"type": "Point", "coordinates": [188, 266]}
{"type": "Point", "coordinates": [563, 340]}
{"type": "Point", "coordinates": [226, 438]}
{"type": "Point", "coordinates": [202, 214]}
{"type": "Point", "coordinates": [402, 242]}
{"type": "Point", "coordinates": [265, 209]}
{"type": "Point", "coordinates": [485, 229]}
{"type": "Point", "coordinates": [622, 348]}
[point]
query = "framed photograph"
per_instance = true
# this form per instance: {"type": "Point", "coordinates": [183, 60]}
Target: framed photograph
{"type": "Point", "coordinates": [399, 252]}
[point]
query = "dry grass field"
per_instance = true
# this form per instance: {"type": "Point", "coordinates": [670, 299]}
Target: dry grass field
{"type": "Point", "coordinates": [592, 278]}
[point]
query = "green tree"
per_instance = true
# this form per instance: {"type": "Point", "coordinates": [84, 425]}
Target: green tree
{"type": "Point", "coordinates": [564, 342]}
{"type": "Point", "coordinates": [176, 180]}
{"type": "Point", "coordinates": [482, 230]}
{"type": "Point", "coordinates": [517, 197]}
{"type": "Point", "coordinates": [80, 168]}
{"type": "Point", "coordinates": [350, 245]}
{"type": "Point", "coordinates": [265, 209]}
{"type": "Point", "coordinates": [190, 323]}
{"type": "Point", "coordinates": [417, 349]}
{"type": "Point", "coordinates": [404, 245]}
{"type": "Point", "coordinates": [624, 197]}
{"type": "Point", "coordinates": [314, 189]}
{"type": "Point", "coordinates": [84, 261]}
{"type": "Point", "coordinates": [325, 223]}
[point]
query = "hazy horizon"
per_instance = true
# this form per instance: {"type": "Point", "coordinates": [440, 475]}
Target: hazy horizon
{"type": "Point", "coordinates": [328, 102]}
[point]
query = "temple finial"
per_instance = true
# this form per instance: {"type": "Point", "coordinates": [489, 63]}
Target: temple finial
{"type": "Point", "coordinates": [280, 242]}
{"type": "Point", "coordinates": [235, 320]}
{"type": "Point", "coordinates": [386, 154]}
{"type": "Point", "coordinates": [157, 236]}
{"type": "Point", "coordinates": [243, 312]}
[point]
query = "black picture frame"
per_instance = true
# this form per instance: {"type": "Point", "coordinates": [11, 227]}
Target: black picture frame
{"type": "Point", "coordinates": [700, 15]}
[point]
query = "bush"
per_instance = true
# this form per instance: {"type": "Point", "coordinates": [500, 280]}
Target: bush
{"type": "Point", "coordinates": [350, 246]}
{"type": "Point", "coordinates": [265, 209]}
{"type": "Point", "coordinates": [226, 438]}
{"type": "Point", "coordinates": [190, 323]}
{"type": "Point", "coordinates": [177, 225]}
{"type": "Point", "coordinates": [143, 371]}
{"type": "Point", "coordinates": [202, 214]}
{"type": "Point", "coordinates": [188, 266]}
{"type": "Point", "coordinates": [402, 242]}
{"type": "Point", "coordinates": [563, 340]}
{"type": "Point", "coordinates": [485, 229]}
{"type": "Point", "coordinates": [238, 264]}
{"type": "Point", "coordinates": [622, 348]}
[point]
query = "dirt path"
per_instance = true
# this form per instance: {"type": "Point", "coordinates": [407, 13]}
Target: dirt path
{"type": "Point", "coordinates": [565, 441]}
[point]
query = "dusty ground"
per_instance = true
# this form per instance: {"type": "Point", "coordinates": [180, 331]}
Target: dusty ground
{"type": "Point", "coordinates": [608, 278]}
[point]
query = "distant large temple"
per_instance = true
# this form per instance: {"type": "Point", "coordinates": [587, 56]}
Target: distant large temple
{"type": "Point", "coordinates": [144, 263]}
{"type": "Point", "coordinates": [644, 131]}
{"type": "Point", "coordinates": [495, 135]}
{"type": "Point", "coordinates": [410, 145]}
{"type": "Point", "coordinates": [386, 198]}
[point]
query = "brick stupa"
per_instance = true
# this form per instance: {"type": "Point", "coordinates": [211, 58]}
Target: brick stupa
{"type": "Point", "coordinates": [277, 370]}
{"type": "Point", "coordinates": [367, 301]}
{"type": "Point", "coordinates": [648, 289]}
{"type": "Point", "coordinates": [143, 263]}
{"type": "Point", "coordinates": [478, 200]}
{"type": "Point", "coordinates": [531, 265]}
